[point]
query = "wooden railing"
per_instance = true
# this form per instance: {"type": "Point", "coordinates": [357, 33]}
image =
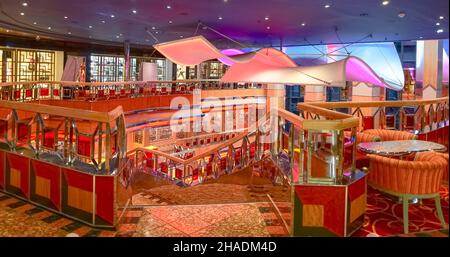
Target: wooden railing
{"type": "Point", "coordinates": [94, 138]}
{"type": "Point", "coordinates": [413, 115]}
{"type": "Point", "coordinates": [95, 91]}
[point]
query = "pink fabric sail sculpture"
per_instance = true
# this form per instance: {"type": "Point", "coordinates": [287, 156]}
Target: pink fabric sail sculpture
{"type": "Point", "coordinates": [271, 66]}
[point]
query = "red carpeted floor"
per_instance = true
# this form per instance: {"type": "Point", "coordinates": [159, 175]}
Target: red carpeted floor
{"type": "Point", "coordinates": [384, 216]}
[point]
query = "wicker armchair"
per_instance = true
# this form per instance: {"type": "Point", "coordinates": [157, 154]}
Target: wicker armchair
{"type": "Point", "coordinates": [390, 135]}
{"type": "Point", "coordinates": [409, 179]}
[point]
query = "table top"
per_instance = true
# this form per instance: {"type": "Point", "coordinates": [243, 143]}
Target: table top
{"type": "Point", "coordinates": [399, 148]}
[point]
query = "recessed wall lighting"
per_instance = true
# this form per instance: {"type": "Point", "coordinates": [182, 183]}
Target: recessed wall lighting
{"type": "Point", "coordinates": [385, 2]}
{"type": "Point", "coordinates": [134, 11]}
{"type": "Point", "coordinates": [22, 13]}
{"type": "Point", "coordinates": [439, 31]}
{"type": "Point", "coordinates": [438, 24]}
{"type": "Point", "coordinates": [327, 6]}
{"type": "Point", "coordinates": [24, 4]}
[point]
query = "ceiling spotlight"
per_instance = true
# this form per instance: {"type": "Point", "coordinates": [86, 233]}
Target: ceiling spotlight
{"type": "Point", "coordinates": [90, 27]}
{"type": "Point", "coordinates": [153, 27]}
{"type": "Point", "coordinates": [49, 28]}
{"type": "Point", "coordinates": [401, 14]}
{"type": "Point", "coordinates": [169, 7]}
{"type": "Point", "coordinates": [385, 2]}
{"type": "Point", "coordinates": [438, 24]}
{"type": "Point", "coordinates": [22, 13]}
{"type": "Point", "coordinates": [420, 37]}
{"type": "Point", "coordinates": [441, 17]}
{"type": "Point", "coordinates": [439, 31]}
{"type": "Point", "coordinates": [70, 33]}
{"type": "Point", "coordinates": [147, 40]}
{"type": "Point", "coordinates": [90, 36]}
{"type": "Point", "coordinates": [24, 4]}
{"type": "Point", "coordinates": [103, 22]}
{"type": "Point", "coordinates": [117, 36]}
{"type": "Point", "coordinates": [267, 27]}
{"type": "Point", "coordinates": [181, 36]}
{"type": "Point", "coordinates": [112, 16]}
{"type": "Point", "coordinates": [134, 11]}
{"type": "Point", "coordinates": [220, 17]}
{"type": "Point", "coordinates": [266, 18]}
{"type": "Point", "coordinates": [170, 22]}
{"type": "Point", "coordinates": [303, 24]}
{"type": "Point", "coordinates": [7, 31]}
{"type": "Point", "coordinates": [156, 32]}
{"type": "Point", "coordinates": [327, 6]}
{"type": "Point", "coordinates": [34, 23]}
{"type": "Point", "coordinates": [65, 17]}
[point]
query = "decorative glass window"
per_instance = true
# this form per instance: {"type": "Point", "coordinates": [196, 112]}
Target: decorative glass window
{"type": "Point", "coordinates": [106, 68]}
{"type": "Point", "coordinates": [26, 65]}
{"type": "Point", "coordinates": [138, 137]}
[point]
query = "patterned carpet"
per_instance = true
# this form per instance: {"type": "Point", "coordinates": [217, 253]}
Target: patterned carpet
{"type": "Point", "coordinates": [384, 216]}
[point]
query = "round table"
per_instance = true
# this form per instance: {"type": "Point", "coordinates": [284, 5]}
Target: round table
{"type": "Point", "coordinates": [400, 148]}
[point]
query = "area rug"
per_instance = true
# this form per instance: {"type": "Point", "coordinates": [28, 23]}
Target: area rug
{"type": "Point", "coordinates": [384, 216]}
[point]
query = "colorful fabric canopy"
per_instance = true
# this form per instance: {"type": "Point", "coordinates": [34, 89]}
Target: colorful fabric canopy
{"type": "Point", "coordinates": [271, 66]}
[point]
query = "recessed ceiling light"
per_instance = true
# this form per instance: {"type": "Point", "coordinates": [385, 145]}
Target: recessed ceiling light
{"type": "Point", "coordinates": [441, 17]}
{"type": "Point", "coordinates": [120, 34]}
{"type": "Point", "coordinates": [401, 14]}
{"type": "Point", "coordinates": [7, 30]}
{"type": "Point", "coordinates": [267, 27]}
{"type": "Point", "coordinates": [65, 17]}
{"type": "Point", "coordinates": [34, 23]}
{"type": "Point", "coordinates": [156, 32]}
{"type": "Point", "coordinates": [90, 27]}
{"type": "Point", "coordinates": [327, 6]}
{"type": "Point", "coordinates": [266, 18]}
{"type": "Point", "coordinates": [49, 28]}
{"type": "Point", "coordinates": [112, 16]}
{"type": "Point", "coordinates": [220, 17]}
{"type": "Point", "coordinates": [103, 22]}
{"type": "Point", "coordinates": [181, 36]}
{"type": "Point", "coordinates": [117, 36]}
{"type": "Point", "coordinates": [90, 36]}
{"type": "Point", "coordinates": [385, 2]}
{"type": "Point", "coordinates": [22, 13]}
{"type": "Point", "coordinates": [439, 31]}
{"type": "Point", "coordinates": [134, 11]}
{"type": "Point", "coordinates": [303, 24]}
{"type": "Point", "coordinates": [153, 27]}
{"type": "Point", "coordinates": [170, 21]}
{"type": "Point", "coordinates": [169, 7]}
{"type": "Point", "coordinates": [438, 24]}
{"type": "Point", "coordinates": [420, 37]}
{"type": "Point", "coordinates": [147, 40]}
{"type": "Point", "coordinates": [70, 33]}
{"type": "Point", "coordinates": [24, 4]}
